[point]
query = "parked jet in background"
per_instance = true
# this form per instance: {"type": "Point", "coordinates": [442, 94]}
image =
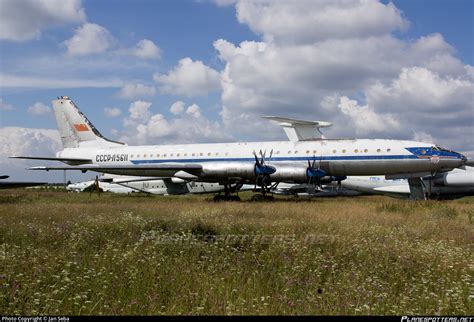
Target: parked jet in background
{"type": "Point", "coordinates": [306, 158]}
{"type": "Point", "coordinates": [310, 191]}
{"type": "Point", "coordinates": [447, 185]}
{"type": "Point", "coordinates": [166, 186]}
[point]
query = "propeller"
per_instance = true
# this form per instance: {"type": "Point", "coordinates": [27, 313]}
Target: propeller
{"type": "Point", "coordinates": [314, 174]}
{"type": "Point", "coordinates": [262, 171]}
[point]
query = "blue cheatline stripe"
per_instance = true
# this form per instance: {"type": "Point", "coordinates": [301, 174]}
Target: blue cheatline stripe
{"type": "Point", "coordinates": [278, 159]}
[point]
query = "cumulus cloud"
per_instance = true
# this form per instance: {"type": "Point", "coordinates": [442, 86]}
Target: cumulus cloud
{"type": "Point", "coordinates": [189, 78]}
{"type": "Point", "coordinates": [177, 108]}
{"type": "Point", "coordinates": [16, 81]}
{"type": "Point", "coordinates": [16, 141]}
{"type": "Point", "coordinates": [146, 49]}
{"type": "Point", "coordinates": [25, 19]}
{"type": "Point", "coordinates": [194, 110]}
{"type": "Point", "coordinates": [112, 111]}
{"type": "Point", "coordinates": [132, 90]}
{"type": "Point", "coordinates": [364, 119]}
{"type": "Point", "coordinates": [360, 74]}
{"type": "Point", "coordinates": [139, 111]}
{"type": "Point", "coordinates": [188, 126]}
{"type": "Point", "coordinates": [441, 106]}
{"type": "Point", "coordinates": [4, 106]}
{"type": "Point", "coordinates": [309, 21]}
{"type": "Point", "coordinates": [422, 137]}
{"type": "Point", "coordinates": [90, 38]}
{"type": "Point", "coordinates": [39, 108]}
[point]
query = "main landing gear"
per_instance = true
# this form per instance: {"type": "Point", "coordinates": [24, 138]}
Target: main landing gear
{"type": "Point", "coordinates": [228, 190]}
{"type": "Point", "coordinates": [264, 190]}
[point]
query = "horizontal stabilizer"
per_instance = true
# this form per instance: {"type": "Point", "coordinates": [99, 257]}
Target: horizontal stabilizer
{"type": "Point", "coordinates": [71, 161]}
{"type": "Point", "coordinates": [297, 122]}
{"type": "Point", "coordinates": [298, 130]}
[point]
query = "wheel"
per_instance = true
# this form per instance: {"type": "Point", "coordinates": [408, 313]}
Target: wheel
{"type": "Point", "coordinates": [257, 197]}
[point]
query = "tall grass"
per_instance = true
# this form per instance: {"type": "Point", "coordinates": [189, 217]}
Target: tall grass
{"type": "Point", "coordinates": [79, 254]}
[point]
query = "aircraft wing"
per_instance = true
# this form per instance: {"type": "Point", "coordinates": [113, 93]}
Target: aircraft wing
{"type": "Point", "coordinates": [71, 161]}
{"type": "Point", "coordinates": [181, 170]}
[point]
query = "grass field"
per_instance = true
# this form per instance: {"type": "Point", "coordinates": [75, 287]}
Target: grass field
{"type": "Point", "coordinates": [79, 254]}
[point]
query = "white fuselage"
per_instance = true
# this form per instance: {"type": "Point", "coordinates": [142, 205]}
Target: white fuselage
{"type": "Point", "coordinates": [340, 157]}
{"type": "Point", "coordinates": [157, 187]}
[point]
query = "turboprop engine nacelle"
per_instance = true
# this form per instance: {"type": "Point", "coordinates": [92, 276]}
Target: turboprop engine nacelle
{"type": "Point", "coordinates": [247, 171]}
{"type": "Point", "coordinates": [455, 179]}
{"type": "Point", "coordinates": [302, 174]}
{"type": "Point", "coordinates": [283, 173]}
{"type": "Point", "coordinates": [229, 170]}
{"type": "Point", "coordinates": [289, 174]}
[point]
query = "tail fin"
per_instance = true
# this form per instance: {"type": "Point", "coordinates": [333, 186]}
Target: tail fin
{"type": "Point", "coordinates": [74, 127]}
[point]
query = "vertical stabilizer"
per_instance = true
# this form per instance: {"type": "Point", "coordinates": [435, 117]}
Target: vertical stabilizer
{"type": "Point", "coordinates": [75, 128]}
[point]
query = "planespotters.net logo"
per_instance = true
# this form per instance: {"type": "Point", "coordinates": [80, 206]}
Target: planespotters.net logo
{"type": "Point", "coordinates": [437, 319]}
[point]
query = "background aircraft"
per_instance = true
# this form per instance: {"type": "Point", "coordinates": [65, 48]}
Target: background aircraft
{"type": "Point", "coordinates": [447, 185]}
{"type": "Point", "coordinates": [158, 186]}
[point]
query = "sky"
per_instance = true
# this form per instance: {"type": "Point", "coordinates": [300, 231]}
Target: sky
{"type": "Point", "coordinates": [163, 72]}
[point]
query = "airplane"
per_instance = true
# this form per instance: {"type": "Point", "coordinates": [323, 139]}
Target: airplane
{"type": "Point", "coordinates": [454, 184]}
{"type": "Point", "coordinates": [157, 186]}
{"type": "Point", "coordinates": [310, 191]}
{"type": "Point", "coordinates": [16, 184]}
{"type": "Point", "coordinates": [304, 158]}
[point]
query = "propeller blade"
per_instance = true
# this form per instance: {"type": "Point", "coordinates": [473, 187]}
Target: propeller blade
{"type": "Point", "coordinates": [256, 159]}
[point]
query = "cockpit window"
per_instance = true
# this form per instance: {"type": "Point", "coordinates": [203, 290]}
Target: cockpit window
{"type": "Point", "coordinates": [438, 148]}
